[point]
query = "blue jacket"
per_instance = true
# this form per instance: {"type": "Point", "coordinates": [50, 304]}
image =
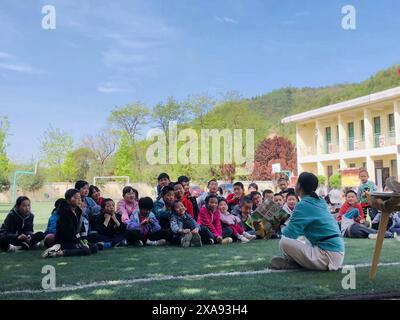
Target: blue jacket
{"type": "Point", "coordinates": [52, 223]}
{"type": "Point", "coordinates": [134, 223]}
{"type": "Point", "coordinates": [312, 219]}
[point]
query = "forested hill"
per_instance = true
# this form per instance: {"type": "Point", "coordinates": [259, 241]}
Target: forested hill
{"type": "Point", "coordinates": [264, 113]}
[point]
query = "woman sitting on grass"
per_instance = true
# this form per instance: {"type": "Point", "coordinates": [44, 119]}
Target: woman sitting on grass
{"type": "Point", "coordinates": [17, 229]}
{"type": "Point", "coordinates": [324, 246]}
{"type": "Point", "coordinates": [71, 233]}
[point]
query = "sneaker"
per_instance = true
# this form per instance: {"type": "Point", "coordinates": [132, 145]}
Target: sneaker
{"type": "Point", "coordinates": [249, 236]}
{"type": "Point", "coordinates": [50, 252]}
{"type": "Point", "coordinates": [227, 240]}
{"type": "Point", "coordinates": [210, 241]}
{"type": "Point", "coordinates": [156, 243]}
{"type": "Point", "coordinates": [373, 236]}
{"type": "Point", "coordinates": [243, 239]}
{"type": "Point", "coordinates": [139, 243]}
{"type": "Point", "coordinates": [123, 243]}
{"type": "Point", "coordinates": [196, 240]}
{"type": "Point", "coordinates": [279, 263]}
{"type": "Point", "coordinates": [185, 240]}
{"type": "Point", "coordinates": [161, 242]}
{"type": "Point", "coordinates": [12, 248]}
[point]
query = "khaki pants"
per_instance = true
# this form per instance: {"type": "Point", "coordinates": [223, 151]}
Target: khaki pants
{"type": "Point", "coordinates": [309, 257]}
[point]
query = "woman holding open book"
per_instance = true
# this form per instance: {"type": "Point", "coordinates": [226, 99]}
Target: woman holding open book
{"type": "Point", "coordinates": [324, 246]}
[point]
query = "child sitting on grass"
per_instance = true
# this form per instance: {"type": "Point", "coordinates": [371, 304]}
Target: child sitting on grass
{"type": "Point", "coordinates": [164, 207]}
{"type": "Point", "coordinates": [351, 219]}
{"type": "Point", "coordinates": [244, 211]}
{"type": "Point", "coordinates": [257, 199]}
{"type": "Point", "coordinates": [231, 221]}
{"type": "Point", "coordinates": [291, 202]}
{"type": "Point", "coordinates": [268, 195]}
{"type": "Point", "coordinates": [210, 222]}
{"type": "Point", "coordinates": [184, 228]}
{"type": "Point", "coordinates": [143, 226]}
{"type": "Point", "coordinates": [71, 236]}
{"type": "Point", "coordinates": [50, 233]}
{"type": "Point", "coordinates": [234, 198]}
{"type": "Point", "coordinates": [128, 204]}
{"type": "Point", "coordinates": [95, 194]}
{"type": "Point", "coordinates": [17, 229]}
{"type": "Point", "coordinates": [163, 181]}
{"type": "Point", "coordinates": [111, 230]}
{"type": "Point", "coordinates": [279, 200]}
{"type": "Point", "coordinates": [180, 196]}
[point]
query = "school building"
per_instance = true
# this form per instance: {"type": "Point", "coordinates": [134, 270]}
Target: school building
{"type": "Point", "coordinates": [362, 132]}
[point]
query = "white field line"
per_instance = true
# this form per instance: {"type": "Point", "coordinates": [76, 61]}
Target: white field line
{"type": "Point", "coordinates": [128, 282]}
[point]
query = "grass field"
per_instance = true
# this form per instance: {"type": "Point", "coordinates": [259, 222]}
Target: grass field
{"type": "Point", "coordinates": [233, 271]}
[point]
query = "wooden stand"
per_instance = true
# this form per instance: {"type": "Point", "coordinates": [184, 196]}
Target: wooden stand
{"type": "Point", "coordinates": [387, 204]}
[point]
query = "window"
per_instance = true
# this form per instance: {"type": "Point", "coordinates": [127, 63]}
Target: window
{"type": "Point", "coordinates": [392, 132]}
{"type": "Point", "coordinates": [364, 165]}
{"type": "Point", "coordinates": [352, 165]}
{"type": "Point", "coordinates": [377, 130]}
{"type": "Point", "coordinates": [362, 126]}
{"type": "Point", "coordinates": [350, 132]}
{"type": "Point", "coordinates": [328, 139]}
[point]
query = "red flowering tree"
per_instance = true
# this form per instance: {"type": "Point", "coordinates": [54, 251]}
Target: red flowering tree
{"type": "Point", "coordinates": [270, 151]}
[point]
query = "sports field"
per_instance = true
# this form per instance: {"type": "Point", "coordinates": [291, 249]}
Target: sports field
{"type": "Point", "coordinates": [235, 271]}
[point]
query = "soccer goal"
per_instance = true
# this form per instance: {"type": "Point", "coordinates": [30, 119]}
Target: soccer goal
{"type": "Point", "coordinates": [126, 178]}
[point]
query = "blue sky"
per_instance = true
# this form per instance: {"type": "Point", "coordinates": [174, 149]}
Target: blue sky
{"type": "Point", "coordinates": [109, 53]}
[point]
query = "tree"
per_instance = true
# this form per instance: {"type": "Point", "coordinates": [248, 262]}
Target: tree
{"type": "Point", "coordinates": [321, 180]}
{"type": "Point", "coordinates": [123, 158]}
{"type": "Point", "coordinates": [273, 150]}
{"type": "Point", "coordinates": [56, 144]}
{"type": "Point", "coordinates": [32, 183]}
{"type": "Point", "coordinates": [164, 114]}
{"type": "Point", "coordinates": [4, 163]}
{"type": "Point", "coordinates": [102, 145]}
{"type": "Point", "coordinates": [335, 181]}
{"type": "Point", "coordinates": [199, 105]}
{"type": "Point", "coordinates": [129, 119]}
{"type": "Point", "coordinates": [77, 164]}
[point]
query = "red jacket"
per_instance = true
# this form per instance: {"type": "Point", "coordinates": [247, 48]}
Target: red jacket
{"type": "Point", "coordinates": [345, 207]}
{"type": "Point", "coordinates": [210, 220]}
{"type": "Point", "coordinates": [188, 205]}
{"type": "Point", "coordinates": [230, 201]}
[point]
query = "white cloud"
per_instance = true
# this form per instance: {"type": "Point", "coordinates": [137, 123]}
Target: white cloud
{"type": "Point", "coordinates": [109, 88]}
{"type": "Point", "coordinates": [226, 20]}
{"type": "Point", "coordinates": [125, 42]}
{"type": "Point", "coordinates": [8, 62]}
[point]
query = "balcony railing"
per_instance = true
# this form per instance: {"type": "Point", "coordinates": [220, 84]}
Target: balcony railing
{"type": "Point", "coordinates": [307, 150]}
{"type": "Point", "coordinates": [331, 148]}
{"type": "Point", "coordinates": [381, 140]}
{"type": "Point", "coordinates": [354, 144]}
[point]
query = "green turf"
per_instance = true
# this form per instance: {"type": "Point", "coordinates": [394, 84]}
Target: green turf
{"type": "Point", "coordinates": [22, 270]}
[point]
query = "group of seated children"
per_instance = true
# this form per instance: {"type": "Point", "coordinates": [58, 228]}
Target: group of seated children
{"type": "Point", "coordinates": [83, 222]}
{"type": "Point", "coordinates": [357, 219]}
